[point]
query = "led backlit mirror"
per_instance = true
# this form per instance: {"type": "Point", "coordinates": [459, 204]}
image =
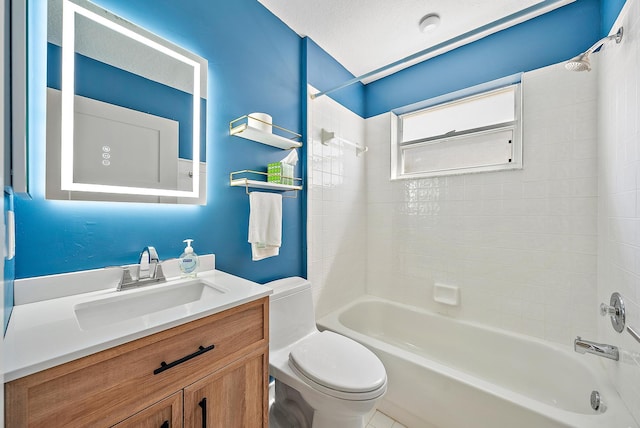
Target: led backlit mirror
{"type": "Point", "coordinates": [125, 110]}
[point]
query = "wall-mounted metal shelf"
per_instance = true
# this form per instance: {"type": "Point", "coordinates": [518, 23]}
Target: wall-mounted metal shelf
{"type": "Point", "coordinates": [240, 128]}
{"type": "Point", "coordinates": [243, 179]}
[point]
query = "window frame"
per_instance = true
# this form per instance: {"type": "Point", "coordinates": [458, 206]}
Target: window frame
{"type": "Point", "coordinates": [398, 146]}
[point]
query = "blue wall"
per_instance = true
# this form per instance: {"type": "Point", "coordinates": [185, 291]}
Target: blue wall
{"type": "Point", "coordinates": [254, 65]}
{"type": "Point", "coordinates": [610, 11]}
{"type": "Point", "coordinates": [547, 39]}
{"type": "Point", "coordinates": [324, 72]}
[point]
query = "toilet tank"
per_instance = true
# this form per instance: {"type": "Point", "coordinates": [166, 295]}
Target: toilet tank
{"type": "Point", "coordinates": [291, 314]}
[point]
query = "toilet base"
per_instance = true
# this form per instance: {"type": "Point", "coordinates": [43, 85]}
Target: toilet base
{"type": "Point", "coordinates": [290, 410]}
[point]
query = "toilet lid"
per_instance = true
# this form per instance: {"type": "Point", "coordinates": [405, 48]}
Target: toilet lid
{"type": "Point", "coordinates": [338, 363]}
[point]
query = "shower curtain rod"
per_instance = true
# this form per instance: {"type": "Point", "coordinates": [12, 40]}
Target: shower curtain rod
{"type": "Point", "coordinates": [469, 36]}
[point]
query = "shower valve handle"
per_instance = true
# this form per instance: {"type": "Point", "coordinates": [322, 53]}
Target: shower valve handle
{"type": "Point", "coordinates": [607, 310]}
{"type": "Point", "coordinates": [615, 309]}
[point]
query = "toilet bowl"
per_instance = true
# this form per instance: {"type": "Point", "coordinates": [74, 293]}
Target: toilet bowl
{"type": "Point", "coordinates": [323, 379]}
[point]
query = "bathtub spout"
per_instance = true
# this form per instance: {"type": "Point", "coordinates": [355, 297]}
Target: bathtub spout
{"type": "Point", "coordinates": [582, 346]}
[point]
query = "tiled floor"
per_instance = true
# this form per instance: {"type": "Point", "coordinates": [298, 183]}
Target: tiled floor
{"type": "Point", "coordinates": [380, 420]}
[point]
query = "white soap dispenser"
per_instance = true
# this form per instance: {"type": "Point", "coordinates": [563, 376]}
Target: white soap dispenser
{"type": "Point", "coordinates": [188, 261]}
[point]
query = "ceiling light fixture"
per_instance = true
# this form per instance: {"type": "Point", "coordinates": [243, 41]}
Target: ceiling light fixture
{"type": "Point", "coordinates": [429, 22]}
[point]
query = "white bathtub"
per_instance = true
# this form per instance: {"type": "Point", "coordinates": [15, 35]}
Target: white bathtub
{"type": "Point", "coordinates": [446, 373]}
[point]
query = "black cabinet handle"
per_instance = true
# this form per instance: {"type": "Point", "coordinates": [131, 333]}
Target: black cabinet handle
{"type": "Point", "coordinates": [165, 424]}
{"type": "Point", "coordinates": [164, 366]}
{"type": "Point", "coordinates": [203, 406]}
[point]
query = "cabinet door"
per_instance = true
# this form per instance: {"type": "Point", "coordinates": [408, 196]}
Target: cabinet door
{"type": "Point", "coordinates": [166, 413]}
{"type": "Point", "coordinates": [234, 397]}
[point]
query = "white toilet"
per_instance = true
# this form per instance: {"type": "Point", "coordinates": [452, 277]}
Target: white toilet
{"type": "Point", "coordinates": [323, 379]}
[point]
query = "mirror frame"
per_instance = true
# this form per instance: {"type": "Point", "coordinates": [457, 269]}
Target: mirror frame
{"type": "Point", "coordinates": [69, 10]}
{"type": "Point", "coordinates": [19, 168]}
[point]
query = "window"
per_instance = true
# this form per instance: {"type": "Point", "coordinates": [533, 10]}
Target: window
{"type": "Point", "coordinates": [472, 134]}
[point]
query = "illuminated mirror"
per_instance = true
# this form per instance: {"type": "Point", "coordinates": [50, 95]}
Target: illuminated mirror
{"type": "Point", "coordinates": [125, 110]}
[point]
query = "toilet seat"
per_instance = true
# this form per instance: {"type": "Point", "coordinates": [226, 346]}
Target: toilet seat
{"type": "Point", "coordinates": [338, 366]}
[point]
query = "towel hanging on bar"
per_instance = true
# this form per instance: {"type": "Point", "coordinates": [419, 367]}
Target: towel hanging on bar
{"type": "Point", "coordinates": [265, 224]}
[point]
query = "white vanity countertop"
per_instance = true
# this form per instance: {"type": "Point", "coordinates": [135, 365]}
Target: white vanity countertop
{"type": "Point", "coordinates": [44, 334]}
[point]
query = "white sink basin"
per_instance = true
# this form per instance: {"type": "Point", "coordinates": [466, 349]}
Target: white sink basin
{"type": "Point", "coordinates": [138, 302]}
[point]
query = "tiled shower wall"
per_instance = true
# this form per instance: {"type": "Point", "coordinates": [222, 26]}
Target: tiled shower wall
{"type": "Point", "coordinates": [619, 191]}
{"type": "Point", "coordinates": [336, 220]}
{"type": "Point", "coordinates": [521, 245]}
{"type": "Point", "coordinates": [534, 251]}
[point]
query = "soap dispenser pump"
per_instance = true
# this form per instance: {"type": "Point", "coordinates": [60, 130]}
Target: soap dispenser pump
{"type": "Point", "coordinates": [188, 261]}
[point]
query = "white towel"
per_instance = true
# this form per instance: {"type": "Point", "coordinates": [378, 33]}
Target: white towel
{"type": "Point", "coordinates": [265, 224]}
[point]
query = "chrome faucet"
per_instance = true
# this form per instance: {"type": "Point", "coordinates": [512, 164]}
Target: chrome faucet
{"type": "Point", "coordinates": [149, 271]}
{"type": "Point", "coordinates": [148, 263]}
{"type": "Point", "coordinates": [582, 346]}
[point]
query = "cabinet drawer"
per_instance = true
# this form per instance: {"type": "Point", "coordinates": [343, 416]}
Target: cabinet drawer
{"type": "Point", "coordinates": [106, 387]}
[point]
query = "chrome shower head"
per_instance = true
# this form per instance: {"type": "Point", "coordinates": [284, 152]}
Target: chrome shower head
{"type": "Point", "coordinates": [581, 62]}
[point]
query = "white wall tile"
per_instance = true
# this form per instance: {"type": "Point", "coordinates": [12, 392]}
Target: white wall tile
{"type": "Point", "coordinates": [337, 220]}
{"type": "Point", "coordinates": [499, 235]}
{"type": "Point", "coordinates": [618, 191]}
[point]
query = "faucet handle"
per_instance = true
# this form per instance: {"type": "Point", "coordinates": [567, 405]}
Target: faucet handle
{"type": "Point", "coordinates": [159, 275]}
{"type": "Point", "coordinates": [608, 310]}
{"type": "Point", "coordinates": [126, 279]}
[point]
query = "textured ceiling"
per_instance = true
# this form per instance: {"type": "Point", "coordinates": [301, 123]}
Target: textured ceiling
{"type": "Point", "coordinates": [364, 35]}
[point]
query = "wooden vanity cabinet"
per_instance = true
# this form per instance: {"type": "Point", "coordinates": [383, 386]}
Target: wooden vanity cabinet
{"type": "Point", "coordinates": [158, 381]}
